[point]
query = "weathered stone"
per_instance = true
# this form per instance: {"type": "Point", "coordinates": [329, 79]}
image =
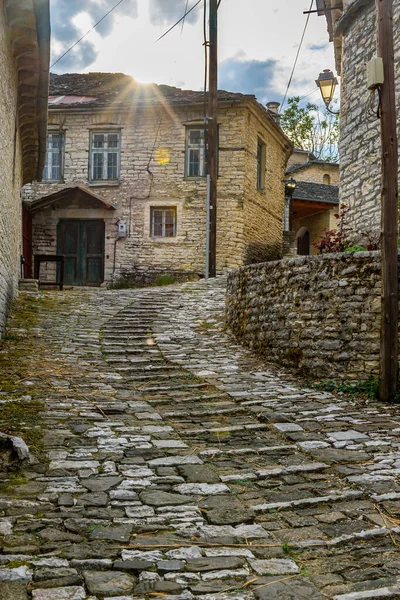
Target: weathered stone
{"type": "Point", "coordinates": [19, 574]}
{"type": "Point", "coordinates": [133, 565]}
{"type": "Point", "coordinates": [274, 566]}
{"type": "Point", "coordinates": [109, 583]}
{"type": "Point", "coordinates": [214, 564]}
{"type": "Point", "coordinates": [119, 533]}
{"type": "Point", "coordinates": [101, 484]}
{"type": "Point", "coordinates": [13, 591]}
{"type": "Point", "coordinates": [229, 516]}
{"type": "Point", "coordinates": [166, 566]}
{"type": "Point", "coordinates": [65, 593]}
{"type": "Point", "coordinates": [158, 498]}
{"type": "Point", "coordinates": [94, 499]}
{"type": "Point", "coordinates": [292, 589]}
{"type": "Point", "coordinates": [198, 474]}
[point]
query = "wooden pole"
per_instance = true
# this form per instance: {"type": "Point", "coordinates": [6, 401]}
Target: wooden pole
{"type": "Point", "coordinates": [213, 134]}
{"type": "Point", "coordinates": [389, 206]}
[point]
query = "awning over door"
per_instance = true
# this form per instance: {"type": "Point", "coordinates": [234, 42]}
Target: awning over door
{"type": "Point", "coordinates": [68, 196]}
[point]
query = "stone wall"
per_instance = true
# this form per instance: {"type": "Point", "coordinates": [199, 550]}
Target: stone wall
{"type": "Point", "coordinates": [320, 314]}
{"type": "Point", "coordinates": [314, 173]}
{"type": "Point", "coordinates": [10, 174]}
{"type": "Point", "coordinates": [244, 216]}
{"type": "Point", "coordinates": [360, 146]}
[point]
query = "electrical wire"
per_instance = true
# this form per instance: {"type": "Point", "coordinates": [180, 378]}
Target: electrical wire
{"type": "Point", "coordinates": [177, 23]}
{"type": "Point", "coordinates": [183, 22]}
{"type": "Point", "coordinates": [87, 33]}
{"type": "Point", "coordinates": [297, 56]}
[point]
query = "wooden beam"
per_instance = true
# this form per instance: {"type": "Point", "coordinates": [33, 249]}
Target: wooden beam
{"type": "Point", "coordinates": [389, 207]}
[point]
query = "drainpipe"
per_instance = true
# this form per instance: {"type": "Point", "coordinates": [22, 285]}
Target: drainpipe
{"type": "Point", "coordinates": [42, 14]}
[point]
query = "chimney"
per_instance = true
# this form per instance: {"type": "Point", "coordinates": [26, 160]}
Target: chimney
{"type": "Point", "coordinates": [273, 109]}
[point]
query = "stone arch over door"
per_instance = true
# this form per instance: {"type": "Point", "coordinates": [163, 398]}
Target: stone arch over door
{"type": "Point", "coordinates": [303, 241]}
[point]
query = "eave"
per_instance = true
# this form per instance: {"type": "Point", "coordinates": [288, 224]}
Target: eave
{"type": "Point", "coordinates": [29, 34]}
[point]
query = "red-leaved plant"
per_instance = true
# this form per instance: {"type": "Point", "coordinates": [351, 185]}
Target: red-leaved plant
{"type": "Point", "coordinates": [336, 240]}
{"type": "Point", "coordinates": [339, 240]}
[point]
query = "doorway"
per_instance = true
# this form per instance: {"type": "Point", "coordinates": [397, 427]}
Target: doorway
{"type": "Point", "coordinates": [303, 243]}
{"type": "Point", "coordinates": [81, 241]}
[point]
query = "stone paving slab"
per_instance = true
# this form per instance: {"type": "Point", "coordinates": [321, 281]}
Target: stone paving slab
{"type": "Point", "coordinates": [181, 466]}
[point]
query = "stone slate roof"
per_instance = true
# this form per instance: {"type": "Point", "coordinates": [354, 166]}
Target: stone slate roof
{"type": "Point", "coordinates": [121, 91]}
{"type": "Point", "coordinates": [297, 168]}
{"type": "Point", "coordinates": [316, 192]}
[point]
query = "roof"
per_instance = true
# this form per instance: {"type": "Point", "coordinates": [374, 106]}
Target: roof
{"type": "Point", "coordinates": [29, 34]}
{"type": "Point", "coordinates": [317, 192]}
{"type": "Point", "coordinates": [310, 163]}
{"type": "Point", "coordinates": [68, 194]}
{"type": "Point", "coordinates": [120, 91]}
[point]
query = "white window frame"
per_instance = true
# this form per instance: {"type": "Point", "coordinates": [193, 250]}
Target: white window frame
{"type": "Point", "coordinates": [190, 147]}
{"type": "Point", "coordinates": [164, 209]}
{"type": "Point", "coordinates": [50, 153]}
{"type": "Point", "coordinates": [105, 152]}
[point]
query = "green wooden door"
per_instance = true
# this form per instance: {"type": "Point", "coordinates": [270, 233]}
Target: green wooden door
{"type": "Point", "coordinates": [82, 243]}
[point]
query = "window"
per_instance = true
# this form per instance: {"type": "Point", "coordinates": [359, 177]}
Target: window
{"type": "Point", "coordinates": [53, 168]}
{"type": "Point", "coordinates": [261, 152]}
{"type": "Point", "coordinates": [327, 179]}
{"type": "Point", "coordinates": [104, 156]}
{"type": "Point", "coordinates": [163, 222]}
{"type": "Point", "coordinates": [195, 152]}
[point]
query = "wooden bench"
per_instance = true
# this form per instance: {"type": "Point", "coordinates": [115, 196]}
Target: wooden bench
{"type": "Point", "coordinates": [57, 258]}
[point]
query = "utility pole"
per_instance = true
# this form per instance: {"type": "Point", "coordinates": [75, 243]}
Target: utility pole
{"type": "Point", "coordinates": [212, 166]}
{"type": "Point", "coordinates": [389, 206]}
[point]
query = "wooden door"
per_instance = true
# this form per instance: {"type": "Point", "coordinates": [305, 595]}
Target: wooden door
{"type": "Point", "coordinates": [82, 243]}
{"type": "Point", "coordinates": [303, 244]}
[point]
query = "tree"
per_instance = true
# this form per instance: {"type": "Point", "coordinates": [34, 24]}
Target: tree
{"type": "Point", "coordinates": [312, 128]}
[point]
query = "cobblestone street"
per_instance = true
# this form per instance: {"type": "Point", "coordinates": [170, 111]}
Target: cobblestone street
{"type": "Point", "coordinates": [181, 466]}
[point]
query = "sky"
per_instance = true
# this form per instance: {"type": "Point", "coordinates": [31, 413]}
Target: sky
{"type": "Point", "coordinates": [258, 41]}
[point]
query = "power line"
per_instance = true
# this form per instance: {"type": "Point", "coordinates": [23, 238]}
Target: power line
{"type": "Point", "coordinates": [177, 23]}
{"type": "Point", "coordinates": [183, 22]}
{"type": "Point", "coordinates": [297, 56]}
{"type": "Point", "coordinates": [87, 33]}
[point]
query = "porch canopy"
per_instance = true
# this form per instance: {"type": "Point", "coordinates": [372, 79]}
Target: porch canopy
{"type": "Point", "coordinates": [310, 198]}
{"type": "Point", "coordinates": [70, 196]}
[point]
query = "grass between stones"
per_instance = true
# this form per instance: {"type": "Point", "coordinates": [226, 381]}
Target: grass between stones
{"type": "Point", "coordinates": [22, 358]}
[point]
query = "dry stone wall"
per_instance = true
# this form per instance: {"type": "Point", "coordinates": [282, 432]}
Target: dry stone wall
{"type": "Point", "coordinates": [320, 314]}
{"type": "Point", "coordinates": [10, 176]}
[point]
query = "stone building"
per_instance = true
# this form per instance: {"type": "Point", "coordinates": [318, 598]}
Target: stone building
{"type": "Point", "coordinates": [24, 61]}
{"type": "Point", "coordinates": [314, 202]}
{"type": "Point", "coordinates": [124, 187]}
{"type": "Point", "coordinates": [352, 29]}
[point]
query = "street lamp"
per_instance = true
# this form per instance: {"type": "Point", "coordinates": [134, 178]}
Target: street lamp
{"type": "Point", "coordinates": [290, 186]}
{"type": "Point", "coordinates": [327, 83]}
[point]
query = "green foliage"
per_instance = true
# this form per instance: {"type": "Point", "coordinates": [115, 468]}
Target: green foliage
{"type": "Point", "coordinates": [312, 128]}
{"type": "Point", "coordinates": [356, 249]}
{"type": "Point", "coordinates": [368, 388]}
{"type": "Point", "coordinates": [165, 280]}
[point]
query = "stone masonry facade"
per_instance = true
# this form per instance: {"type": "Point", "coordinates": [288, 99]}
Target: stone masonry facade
{"type": "Point", "coordinates": [152, 174]}
{"type": "Point", "coordinates": [353, 31]}
{"type": "Point", "coordinates": [24, 51]}
{"type": "Point", "coordinates": [320, 314]}
{"type": "Point", "coordinates": [10, 176]}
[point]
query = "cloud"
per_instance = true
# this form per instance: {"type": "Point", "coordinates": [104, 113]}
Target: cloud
{"type": "Point", "coordinates": [65, 31]}
{"type": "Point", "coordinates": [317, 47]}
{"type": "Point", "coordinates": [250, 77]}
{"type": "Point", "coordinates": [167, 12]}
